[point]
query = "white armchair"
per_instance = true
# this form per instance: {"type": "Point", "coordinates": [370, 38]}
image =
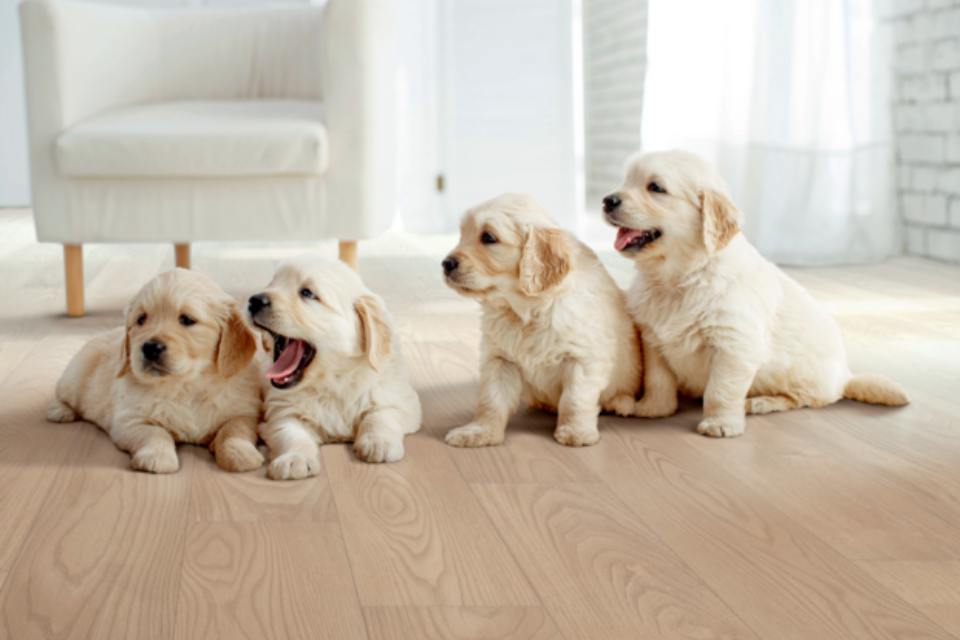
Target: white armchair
{"type": "Point", "coordinates": [208, 124]}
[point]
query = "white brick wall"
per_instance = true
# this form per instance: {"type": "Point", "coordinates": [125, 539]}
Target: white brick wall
{"type": "Point", "coordinates": [614, 62]}
{"type": "Point", "coordinates": [927, 120]}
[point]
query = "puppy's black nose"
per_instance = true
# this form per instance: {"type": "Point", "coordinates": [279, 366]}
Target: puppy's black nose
{"type": "Point", "coordinates": [152, 350]}
{"type": "Point", "coordinates": [450, 264]}
{"type": "Point", "coordinates": [258, 303]}
{"type": "Point", "coordinates": [611, 202]}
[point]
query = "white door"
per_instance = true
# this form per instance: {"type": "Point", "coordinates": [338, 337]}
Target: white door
{"type": "Point", "coordinates": [507, 103]}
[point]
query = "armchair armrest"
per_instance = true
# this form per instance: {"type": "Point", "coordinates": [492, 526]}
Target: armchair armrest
{"type": "Point", "coordinates": [360, 104]}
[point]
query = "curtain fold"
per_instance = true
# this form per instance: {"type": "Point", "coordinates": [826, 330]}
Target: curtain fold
{"type": "Point", "coordinates": [790, 99]}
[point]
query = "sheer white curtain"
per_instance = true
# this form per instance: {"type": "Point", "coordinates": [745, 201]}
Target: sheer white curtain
{"type": "Point", "coordinates": [790, 100]}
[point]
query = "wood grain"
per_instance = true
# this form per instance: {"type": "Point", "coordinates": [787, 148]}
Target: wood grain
{"type": "Point", "coordinates": [107, 536]}
{"type": "Point", "coordinates": [933, 587]}
{"type": "Point", "coordinates": [251, 497]}
{"type": "Point", "coordinates": [416, 535]}
{"type": "Point", "coordinates": [267, 580]}
{"type": "Point", "coordinates": [459, 623]}
{"type": "Point", "coordinates": [783, 581]}
{"type": "Point", "coordinates": [599, 569]}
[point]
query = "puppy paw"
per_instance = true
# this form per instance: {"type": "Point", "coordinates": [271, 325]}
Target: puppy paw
{"type": "Point", "coordinates": [58, 411]}
{"type": "Point", "coordinates": [722, 426]}
{"type": "Point", "coordinates": [473, 435]}
{"type": "Point", "coordinates": [571, 436]}
{"type": "Point", "coordinates": [155, 460]}
{"type": "Point", "coordinates": [622, 405]}
{"type": "Point", "coordinates": [237, 454]}
{"type": "Point", "coordinates": [373, 446]}
{"type": "Point", "coordinates": [653, 407]}
{"type": "Point", "coordinates": [292, 466]}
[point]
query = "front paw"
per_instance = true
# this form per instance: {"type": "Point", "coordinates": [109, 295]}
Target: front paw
{"type": "Point", "coordinates": [293, 466]}
{"type": "Point", "coordinates": [155, 460]}
{"type": "Point", "coordinates": [236, 454]}
{"type": "Point", "coordinates": [571, 436]}
{"type": "Point", "coordinates": [722, 426]}
{"type": "Point", "coordinates": [473, 435]}
{"type": "Point", "coordinates": [378, 447]}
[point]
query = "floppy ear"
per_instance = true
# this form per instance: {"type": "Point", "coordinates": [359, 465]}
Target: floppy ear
{"type": "Point", "coordinates": [376, 336]}
{"type": "Point", "coordinates": [124, 353]}
{"type": "Point", "coordinates": [721, 220]}
{"type": "Point", "coordinates": [237, 344]}
{"type": "Point", "coordinates": [545, 259]}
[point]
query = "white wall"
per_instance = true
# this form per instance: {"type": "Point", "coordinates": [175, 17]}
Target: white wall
{"type": "Point", "coordinates": [14, 176]}
{"type": "Point", "coordinates": [927, 122]}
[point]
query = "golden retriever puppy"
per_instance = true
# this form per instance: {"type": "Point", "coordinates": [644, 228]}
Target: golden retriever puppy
{"type": "Point", "coordinates": [182, 370]}
{"type": "Point", "coordinates": [555, 326]}
{"type": "Point", "coordinates": [338, 373]}
{"type": "Point", "coordinates": [731, 326]}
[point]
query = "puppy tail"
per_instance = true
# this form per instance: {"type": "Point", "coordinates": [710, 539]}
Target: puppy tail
{"type": "Point", "coordinates": [875, 389]}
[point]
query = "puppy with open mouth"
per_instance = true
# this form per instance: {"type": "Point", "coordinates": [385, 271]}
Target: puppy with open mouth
{"type": "Point", "coordinates": [732, 328]}
{"type": "Point", "coordinates": [337, 375]}
{"type": "Point", "coordinates": [182, 370]}
{"type": "Point", "coordinates": [555, 327]}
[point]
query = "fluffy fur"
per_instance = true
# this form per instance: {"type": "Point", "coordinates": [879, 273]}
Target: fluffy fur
{"type": "Point", "coordinates": [731, 326]}
{"type": "Point", "coordinates": [555, 326]}
{"type": "Point", "coordinates": [355, 388]}
{"type": "Point", "coordinates": [204, 389]}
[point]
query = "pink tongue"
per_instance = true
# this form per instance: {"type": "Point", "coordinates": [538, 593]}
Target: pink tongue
{"type": "Point", "coordinates": [624, 237]}
{"type": "Point", "coordinates": [287, 362]}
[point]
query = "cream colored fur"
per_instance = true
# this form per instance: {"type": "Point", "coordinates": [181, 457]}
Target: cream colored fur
{"type": "Point", "coordinates": [731, 326]}
{"type": "Point", "coordinates": [555, 327]}
{"type": "Point", "coordinates": [355, 389]}
{"type": "Point", "coordinates": [210, 393]}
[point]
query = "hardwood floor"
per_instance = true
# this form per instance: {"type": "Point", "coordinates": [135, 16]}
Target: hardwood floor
{"type": "Point", "coordinates": [817, 524]}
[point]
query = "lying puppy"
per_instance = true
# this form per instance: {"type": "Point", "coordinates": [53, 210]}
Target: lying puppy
{"type": "Point", "coordinates": [732, 327]}
{"type": "Point", "coordinates": [555, 326]}
{"type": "Point", "coordinates": [182, 371]}
{"type": "Point", "coordinates": [337, 376]}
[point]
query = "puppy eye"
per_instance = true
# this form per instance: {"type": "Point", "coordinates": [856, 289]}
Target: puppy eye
{"type": "Point", "coordinates": [488, 238]}
{"type": "Point", "coordinates": [654, 187]}
{"type": "Point", "coordinates": [186, 320]}
{"type": "Point", "coordinates": [307, 294]}
{"type": "Point", "coordinates": [141, 319]}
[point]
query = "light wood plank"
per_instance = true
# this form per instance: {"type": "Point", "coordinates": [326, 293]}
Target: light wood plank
{"type": "Point", "coordinates": [416, 535]}
{"type": "Point", "coordinates": [781, 579]}
{"type": "Point", "coordinates": [250, 497]}
{"type": "Point", "coordinates": [599, 569]}
{"type": "Point", "coordinates": [459, 623]}
{"type": "Point", "coordinates": [267, 580]}
{"type": "Point", "coordinates": [106, 535]}
{"type": "Point", "coordinates": [933, 587]}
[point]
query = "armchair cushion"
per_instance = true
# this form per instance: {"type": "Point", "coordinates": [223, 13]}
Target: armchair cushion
{"type": "Point", "coordinates": [198, 139]}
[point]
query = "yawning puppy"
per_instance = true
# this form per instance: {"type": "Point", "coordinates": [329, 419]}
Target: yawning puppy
{"type": "Point", "coordinates": [555, 326]}
{"type": "Point", "coordinates": [732, 327]}
{"type": "Point", "coordinates": [182, 371]}
{"type": "Point", "coordinates": [337, 376]}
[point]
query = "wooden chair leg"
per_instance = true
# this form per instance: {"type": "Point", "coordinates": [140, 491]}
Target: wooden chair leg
{"type": "Point", "coordinates": [182, 253]}
{"type": "Point", "coordinates": [73, 278]}
{"type": "Point", "coordinates": [348, 252]}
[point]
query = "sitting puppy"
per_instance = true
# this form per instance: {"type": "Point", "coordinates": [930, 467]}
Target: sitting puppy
{"type": "Point", "coordinates": [181, 371]}
{"type": "Point", "coordinates": [337, 376]}
{"type": "Point", "coordinates": [555, 326]}
{"type": "Point", "coordinates": [731, 326]}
